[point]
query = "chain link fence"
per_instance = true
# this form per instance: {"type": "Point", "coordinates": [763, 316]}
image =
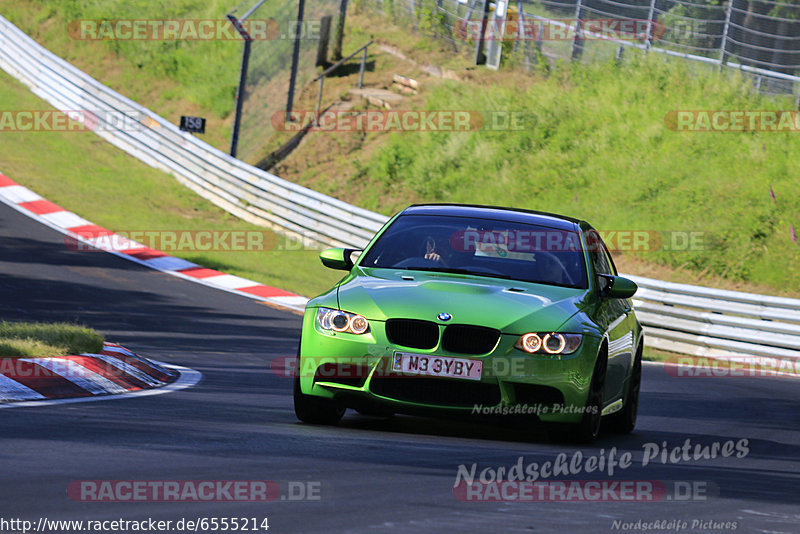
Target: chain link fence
{"type": "Point", "coordinates": [760, 38]}
{"type": "Point", "coordinates": [267, 87]}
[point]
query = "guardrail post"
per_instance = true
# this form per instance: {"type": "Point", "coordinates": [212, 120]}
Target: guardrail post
{"type": "Point", "coordinates": [577, 41]}
{"type": "Point", "coordinates": [723, 57]}
{"type": "Point", "coordinates": [797, 97]}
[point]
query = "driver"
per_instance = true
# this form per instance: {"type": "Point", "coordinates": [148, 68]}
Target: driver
{"type": "Point", "coordinates": [430, 250]}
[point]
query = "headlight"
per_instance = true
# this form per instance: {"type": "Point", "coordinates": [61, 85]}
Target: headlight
{"type": "Point", "coordinates": [549, 343]}
{"type": "Point", "coordinates": [341, 321]}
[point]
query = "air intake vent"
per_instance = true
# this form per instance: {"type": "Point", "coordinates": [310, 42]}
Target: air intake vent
{"type": "Point", "coordinates": [436, 391]}
{"type": "Point", "coordinates": [468, 339]}
{"type": "Point", "coordinates": [412, 333]}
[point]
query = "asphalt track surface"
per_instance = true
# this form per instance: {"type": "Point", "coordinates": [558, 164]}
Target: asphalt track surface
{"type": "Point", "coordinates": [373, 475]}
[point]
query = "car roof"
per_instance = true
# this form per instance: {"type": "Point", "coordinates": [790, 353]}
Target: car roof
{"type": "Point", "coordinates": [498, 213]}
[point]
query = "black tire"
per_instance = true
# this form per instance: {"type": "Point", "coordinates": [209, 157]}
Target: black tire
{"type": "Point", "coordinates": [589, 428]}
{"type": "Point", "coordinates": [314, 410]}
{"type": "Point", "coordinates": [624, 421]}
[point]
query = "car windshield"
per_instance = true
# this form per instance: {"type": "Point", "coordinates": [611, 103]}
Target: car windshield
{"type": "Point", "coordinates": [483, 247]}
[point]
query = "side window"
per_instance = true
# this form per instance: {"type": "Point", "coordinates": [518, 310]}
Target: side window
{"type": "Point", "coordinates": [598, 254]}
{"type": "Point", "coordinates": [610, 260]}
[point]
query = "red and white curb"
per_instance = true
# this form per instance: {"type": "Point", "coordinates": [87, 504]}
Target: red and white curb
{"type": "Point", "coordinates": [31, 204]}
{"type": "Point", "coordinates": [114, 371]}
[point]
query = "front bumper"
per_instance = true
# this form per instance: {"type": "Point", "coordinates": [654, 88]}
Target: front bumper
{"type": "Point", "coordinates": [356, 370]}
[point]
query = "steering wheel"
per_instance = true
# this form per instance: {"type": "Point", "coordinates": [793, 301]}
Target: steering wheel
{"type": "Point", "coordinates": [565, 273]}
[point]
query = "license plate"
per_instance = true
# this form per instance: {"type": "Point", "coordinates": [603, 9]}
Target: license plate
{"type": "Point", "coordinates": [429, 365]}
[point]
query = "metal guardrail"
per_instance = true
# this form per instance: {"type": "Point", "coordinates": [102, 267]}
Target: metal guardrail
{"type": "Point", "coordinates": [677, 317]}
{"type": "Point", "coordinates": [717, 323]}
{"type": "Point", "coordinates": [243, 190]}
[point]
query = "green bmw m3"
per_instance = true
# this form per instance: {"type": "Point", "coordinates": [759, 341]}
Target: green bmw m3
{"type": "Point", "coordinates": [475, 310]}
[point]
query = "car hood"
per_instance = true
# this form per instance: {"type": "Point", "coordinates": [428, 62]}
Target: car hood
{"type": "Point", "coordinates": [508, 305]}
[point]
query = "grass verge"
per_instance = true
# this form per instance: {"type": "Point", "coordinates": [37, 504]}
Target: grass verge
{"type": "Point", "coordinates": [595, 146]}
{"type": "Point", "coordinates": [654, 355]}
{"type": "Point", "coordinates": [190, 77]}
{"type": "Point", "coordinates": [83, 173]}
{"type": "Point", "coordinates": [47, 339]}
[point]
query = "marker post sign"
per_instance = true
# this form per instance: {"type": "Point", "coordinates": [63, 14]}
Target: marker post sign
{"type": "Point", "coordinates": [193, 124]}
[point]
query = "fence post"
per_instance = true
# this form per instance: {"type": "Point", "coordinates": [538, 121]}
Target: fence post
{"type": "Point", "coordinates": [480, 56]}
{"type": "Point", "coordinates": [295, 58]}
{"type": "Point", "coordinates": [521, 37]}
{"type": "Point", "coordinates": [319, 100]}
{"type": "Point", "coordinates": [363, 64]}
{"type": "Point", "coordinates": [538, 38]}
{"type": "Point", "coordinates": [322, 44]}
{"type": "Point", "coordinates": [723, 57]}
{"type": "Point", "coordinates": [337, 45]}
{"type": "Point", "coordinates": [650, 15]}
{"type": "Point", "coordinates": [577, 41]}
{"type": "Point", "coordinates": [240, 89]}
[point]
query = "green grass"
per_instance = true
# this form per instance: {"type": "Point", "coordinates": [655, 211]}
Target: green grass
{"type": "Point", "coordinates": [654, 355]}
{"type": "Point", "coordinates": [174, 78]}
{"type": "Point", "coordinates": [595, 146]}
{"type": "Point", "coordinates": [195, 77]}
{"type": "Point", "coordinates": [206, 69]}
{"type": "Point", "coordinates": [87, 175]}
{"type": "Point", "coordinates": [47, 339]}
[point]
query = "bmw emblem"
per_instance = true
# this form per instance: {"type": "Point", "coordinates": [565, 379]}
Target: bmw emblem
{"type": "Point", "coordinates": [444, 316]}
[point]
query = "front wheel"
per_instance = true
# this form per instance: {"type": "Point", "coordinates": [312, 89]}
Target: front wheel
{"type": "Point", "coordinates": [589, 428]}
{"type": "Point", "coordinates": [624, 420]}
{"type": "Point", "coordinates": [311, 409]}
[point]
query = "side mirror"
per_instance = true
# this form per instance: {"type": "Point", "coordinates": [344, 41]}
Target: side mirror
{"type": "Point", "coordinates": [616, 287]}
{"type": "Point", "coordinates": [337, 258]}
